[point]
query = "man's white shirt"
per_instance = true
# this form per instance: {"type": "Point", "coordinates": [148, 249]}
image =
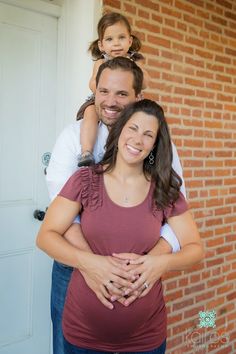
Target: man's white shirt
{"type": "Point", "coordinates": [64, 160]}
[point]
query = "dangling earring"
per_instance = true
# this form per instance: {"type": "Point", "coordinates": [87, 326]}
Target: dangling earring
{"type": "Point", "coordinates": [151, 158]}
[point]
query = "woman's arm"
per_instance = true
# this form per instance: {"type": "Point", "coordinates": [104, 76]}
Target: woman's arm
{"type": "Point", "coordinates": [100, 271]}
{"type": "Point", "coordinates": [191, 245]}
{"type": "Point", "coordinates": [153, 266]}
{"type": "Point", "coordinates": [56, 222]}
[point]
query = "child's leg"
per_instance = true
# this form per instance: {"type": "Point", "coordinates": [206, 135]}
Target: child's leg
{"type": "Point", "coordinates": [88, 135]}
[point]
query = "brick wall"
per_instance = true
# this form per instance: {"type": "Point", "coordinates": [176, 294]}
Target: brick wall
{"type": "Point", "coordinates": [190, 50]}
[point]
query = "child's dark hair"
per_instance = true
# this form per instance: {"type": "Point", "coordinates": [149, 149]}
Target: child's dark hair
{"type": "Point", "coordinates": [167, 182]}
{"type": "Point", "coordinates": [108, 20]}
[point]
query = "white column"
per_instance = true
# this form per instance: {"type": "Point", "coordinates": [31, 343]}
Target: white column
{"type": "Point", "coordinates": [77, 28]}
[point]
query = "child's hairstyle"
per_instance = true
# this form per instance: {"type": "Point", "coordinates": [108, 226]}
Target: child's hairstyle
{"type": "Point", "coordinates": [108, 20]}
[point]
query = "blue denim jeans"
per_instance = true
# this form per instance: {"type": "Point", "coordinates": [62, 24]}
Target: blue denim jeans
{"type": "Point", "coordinates": [72, 349]}
{"type": "Point", "coordinates": [60, 279]}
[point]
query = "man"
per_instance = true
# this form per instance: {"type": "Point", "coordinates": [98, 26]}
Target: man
{"type": "Point", "coordinates": [119, 82]}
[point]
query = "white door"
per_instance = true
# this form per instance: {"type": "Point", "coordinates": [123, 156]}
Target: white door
{"type": "Point", "coordinates": [28, 62]}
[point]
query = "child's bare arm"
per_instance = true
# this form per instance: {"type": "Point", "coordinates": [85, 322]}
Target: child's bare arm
{"type": "Point", "coordinates": [92, 81]}
{"type": "Point", "coordinates": [88, 131]}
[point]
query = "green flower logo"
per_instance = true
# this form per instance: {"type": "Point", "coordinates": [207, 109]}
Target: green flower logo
{"type": "Point", "coordinates": [207, 319]}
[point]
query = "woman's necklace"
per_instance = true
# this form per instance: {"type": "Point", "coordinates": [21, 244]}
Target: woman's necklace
{"type": "Point", "coordinates": [126, 199]}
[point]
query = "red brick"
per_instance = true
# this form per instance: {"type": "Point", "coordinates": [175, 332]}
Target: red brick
{"type": "Point", "coordinates": [113, 3]}
{"type": "Point", "coordinates": [150, 27]}
{"type": "Point", "coordinates": [184, 7]}
{"type": "Point", "coordinates": [158, 41]}
{"type": "Point", "coordinates": [174, 319]}
{"type": "Point", "coordinates": [225, 289]}
{"type": "Point", "coordinates": [215, 28]}
{"type": "Point", "coordinates": [182, 304]}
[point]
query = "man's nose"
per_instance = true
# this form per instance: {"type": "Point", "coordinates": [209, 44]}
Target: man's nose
{"type": "Point", "coordinates": [110, 100]}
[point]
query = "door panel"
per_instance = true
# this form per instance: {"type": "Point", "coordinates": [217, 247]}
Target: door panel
{"type": "Point", "coordinates": [28, 62]}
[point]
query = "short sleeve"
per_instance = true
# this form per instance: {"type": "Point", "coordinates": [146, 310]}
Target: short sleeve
{"type": "Point", "coordinates": [177, 208]}
{"type": "Point", "coordinates": [83, 186]}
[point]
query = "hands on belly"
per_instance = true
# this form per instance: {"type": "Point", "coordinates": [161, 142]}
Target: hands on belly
{"type": "Point", "coordinates": [122, 277]}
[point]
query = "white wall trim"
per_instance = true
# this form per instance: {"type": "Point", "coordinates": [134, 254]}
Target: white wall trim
{"type": "Point", "coordinates": [36, 5]}
{"type": "Point", "coordinates": [77, 27]}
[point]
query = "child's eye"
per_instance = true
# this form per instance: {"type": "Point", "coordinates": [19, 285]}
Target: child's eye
{"type": "Point", "coordinates": [108, 39]}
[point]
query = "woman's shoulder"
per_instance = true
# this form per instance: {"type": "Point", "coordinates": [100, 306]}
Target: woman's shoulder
{"type": "Point", "coordinates": [87, 175]}
{"type": "Point", "coordinates": [90, 179]}
{"type": "Point", "coordinates": [84, 186]}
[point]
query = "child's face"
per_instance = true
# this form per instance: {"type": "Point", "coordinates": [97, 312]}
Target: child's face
{"type": "Point", "coordinates": [116, 40]}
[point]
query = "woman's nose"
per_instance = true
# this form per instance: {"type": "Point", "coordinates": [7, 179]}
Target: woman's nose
{"type": "Point", "coordinates": [138, 138]}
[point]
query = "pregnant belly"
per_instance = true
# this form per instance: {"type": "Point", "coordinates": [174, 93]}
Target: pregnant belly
{"type": "Point", "coordinates": [85, 314]}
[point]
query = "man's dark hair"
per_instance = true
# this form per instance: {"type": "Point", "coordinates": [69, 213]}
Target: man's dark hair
{"type": "Point", "coordinates": [124, 64]}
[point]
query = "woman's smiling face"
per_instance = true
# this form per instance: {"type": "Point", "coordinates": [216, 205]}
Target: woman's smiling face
{"type": "Point", "coordinates": [138, 137]}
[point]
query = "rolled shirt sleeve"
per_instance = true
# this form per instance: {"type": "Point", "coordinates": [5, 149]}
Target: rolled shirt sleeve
{"type": "Point", "coordinates": [166, 232]}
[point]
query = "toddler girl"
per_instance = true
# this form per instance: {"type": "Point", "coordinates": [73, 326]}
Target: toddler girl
{"type": "Point", "coordinates": [114, 39]}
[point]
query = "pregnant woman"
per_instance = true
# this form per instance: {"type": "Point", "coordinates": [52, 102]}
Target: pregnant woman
{"type": "Point", "coordinates": [123, 202]}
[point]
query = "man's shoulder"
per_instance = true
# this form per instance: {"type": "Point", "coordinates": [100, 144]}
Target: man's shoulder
{"type": "Point", "coordinates": [70, 134]}
{"type": "Point", "coordinates": [72, 127]}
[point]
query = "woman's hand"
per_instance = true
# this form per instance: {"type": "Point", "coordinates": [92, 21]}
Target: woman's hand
{"type": "Point", "coordinates": [106, 276]}
{"type": "Point", "coordinates": [150, 269]}
{"type": "Point", "coordinates": [146, 270]}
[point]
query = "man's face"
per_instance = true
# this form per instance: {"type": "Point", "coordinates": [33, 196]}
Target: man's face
{"type": "Point", "coordinates": [114, 91]}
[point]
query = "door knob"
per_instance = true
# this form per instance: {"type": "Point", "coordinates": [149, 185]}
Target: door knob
{"type": "Point", "coordinates": [39, 214]}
